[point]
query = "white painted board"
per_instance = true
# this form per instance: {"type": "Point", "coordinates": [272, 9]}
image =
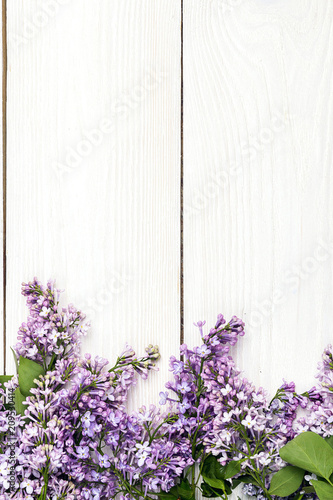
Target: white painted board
{"type": "Point", "coordinates": [94, 167]}
{"type": "Point", "coordinates": [258, 230]}
{"type": "Point", "coordinates": [258, 238]}
{"type": "Point", "coordinates": [94, 172]}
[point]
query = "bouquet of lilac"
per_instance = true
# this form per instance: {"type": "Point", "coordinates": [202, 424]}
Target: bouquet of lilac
{"type": "Point", "coordinates": [65, 431]}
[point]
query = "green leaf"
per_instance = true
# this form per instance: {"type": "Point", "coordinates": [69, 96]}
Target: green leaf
{"type": "Point", "coordinates": [19, 398]}
{"type": "Point", "coordinates": [215, 474]}
{"type": "Point", "coordinates": [185, 491]}
{"type": "Point", "coordinates": [28, 370]}
{"type": "Point", "coordinates": [228, 488]}
{"type": "Point", "coordinates": [243, 479]}
{"type": "Point", "coordinates": [329, 440]}
{"type": "Point", "coordinates": [231, 469]}
{"type": "Point", "coordinates": [173, 492]}
{"type": "Point", "coordinates": [286, 481]}
{"type": "Point", "coordinates": [215, 483]}
{"type": "Point", "coordinates": [309, 452]}
{"type": "Point", "coordinates": [184, 494]}
{"type": "Point", "coordinates": [323, 490]}
{"type": "Point", "coordinates": [210, 492]}
{"type": "Point", "coordinates": [212, 468]}
{"type": "Point", "coordinates": [308, 489]}
{"type": "Point", "coordinates": [167, 495]}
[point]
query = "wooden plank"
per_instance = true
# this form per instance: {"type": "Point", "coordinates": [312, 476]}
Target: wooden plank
{"type": "Point", "coordinates": [93, 166]}
{"type": "Point", "coordinates": [258, 187]}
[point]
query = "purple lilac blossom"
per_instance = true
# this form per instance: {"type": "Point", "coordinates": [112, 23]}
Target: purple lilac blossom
{"type": "Point", "coordinates": [75, 420]}
{"type": "Point", "coordinates": [50, 331]}
{"type": "Point", "coordinates": [77, 440]}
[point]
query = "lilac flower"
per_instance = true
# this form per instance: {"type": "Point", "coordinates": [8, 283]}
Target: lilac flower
{"type": "Point", "coordinates": [27, 485]}
{"type": "Point", "coordinates": [226, 390]}
{"type": "Point", "coordinates": [87, 419]}
{"type": "Point", "coordinates": [184, 387]}
{"type": "Point", "coordinates": [78, 441]}
{"type": "Point", "coordinates": [220, 321]}
{"type": "Point", "coordinates": [163, 397]}
{"type": "Point", "coordinates": [45, 312]}
{"type": "Point", "coordinates": [200, 325]}
{"type": "Point", "coordinates": [248, 422]}
{"type": "Point", "coordinates": [176, 366]}
{"type": "Point", "coordinates": [203, 351]}
{"type": "Point", "coordinates": [142, 452]}
{"type": "Point", "coordinates": [49, 330]}
{"type": "Point", "coordinates": [104, 461]}
{"type": "Point", "coordinates": [184, 405]}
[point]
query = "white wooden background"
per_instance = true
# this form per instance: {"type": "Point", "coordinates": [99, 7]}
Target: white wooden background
{"type": "Point", "coordinates": [94, 173]}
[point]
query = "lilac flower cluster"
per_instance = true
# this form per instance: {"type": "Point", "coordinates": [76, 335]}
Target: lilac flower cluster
{"type": "Point", "coordinates": [246, 428]}
{"type": "Point", "coordinates": [318, 405]}
{"type": "Point", "coordinates": [75, 413]}
{"type": "Point", "coordinates": [77, 441]}
{"type": "Point", "coordinates": [189, 397]}
{"type": "Point", "coordinates": [49, 331]}
{"type": "Point", "coordinates": [110, 451]}
{"type": "Point", "coordinates": [224, 415]}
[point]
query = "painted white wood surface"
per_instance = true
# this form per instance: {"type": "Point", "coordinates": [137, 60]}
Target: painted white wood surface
{"type": "Point", "coordinates": [258, 229]}
{"type": "Point", "coordinates": [99, 211]}
{"type": "Point", "coordinates": [93, 167]}
{"type": "Point", "coordinates": [258, 179]}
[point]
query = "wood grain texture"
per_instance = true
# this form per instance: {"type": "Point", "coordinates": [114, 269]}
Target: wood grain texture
{"type": "Point", "coordinates": [93, 167]}
{"type": "Point", "coordinates": [94, 177]}
{"type": "Point", "coordinates": [258, 184]}
{"type": "Point", "coordinates": [258, 187]}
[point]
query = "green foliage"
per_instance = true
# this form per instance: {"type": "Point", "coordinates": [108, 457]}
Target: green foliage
{"type": "Point", "coordinates": [19, 398]}
{"type": "Point", "coordinates": [308, 489]}
{"type": "Point", "coordinates": [286, 481]}
{"type": "Point", "coordinates": [168, 495]}
{"type": "Point", "coordinates": [244, 479]}
{"type": "Point", "coordinates": [184, 490]}
{"type": "Point", "coordinates": [28, 371]}
{"type": "Point", "coordinates": [210, 492]}
{"type": "Point", "coordinates": [323, 490]}
{"type": "Point", "coordinates": [329, 440]}
{"type": "Point", "coordinates": [213, 470]}
{"type": "Point", "coordinates": [214, 475]}
{"type": "Point", "coordinates": [311, 453]}
{"type": "Point", "coordinates": [231, 469]}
